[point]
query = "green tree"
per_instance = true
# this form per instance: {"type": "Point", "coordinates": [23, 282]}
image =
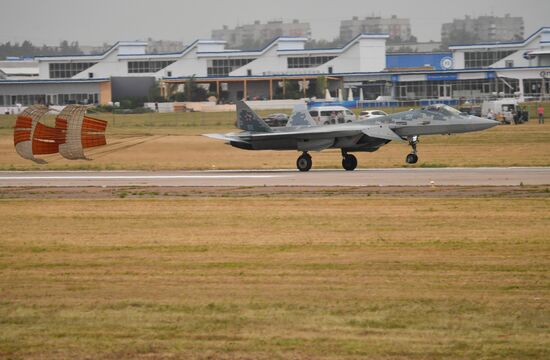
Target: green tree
{"type": "Point", "coordinates": [193, 92]}
{"type": "Point", "coordinates": [320, 86]}
{"type": "Point", "coordinates": [323, 44]}
{"type": "Point", "coordinates": [154, 93]}
{"type": "Point", "coordinates": [28, 49]}
{"type": "Point", "coordinates": [190, 86]}
{"type": "Point", "coordinates": [292, 90]}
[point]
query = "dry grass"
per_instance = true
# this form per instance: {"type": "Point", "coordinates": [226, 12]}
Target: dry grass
{"type": "Point", "coordinates": [260, 277]}
{"type": "Point", "coordinates": [173, 141]}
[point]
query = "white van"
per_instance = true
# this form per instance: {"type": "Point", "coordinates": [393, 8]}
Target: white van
{"type": "Point", "coordinates": [502, 110]}
{"type": "Point", "coordinates": [327, 115]}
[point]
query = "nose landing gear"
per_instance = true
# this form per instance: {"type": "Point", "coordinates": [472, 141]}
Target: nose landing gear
{"type": "Point", "coordinates": [412, 158]}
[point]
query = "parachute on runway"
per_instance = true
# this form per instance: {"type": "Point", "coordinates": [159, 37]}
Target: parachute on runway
{"type": "Point", "coordinates": [73, 132]}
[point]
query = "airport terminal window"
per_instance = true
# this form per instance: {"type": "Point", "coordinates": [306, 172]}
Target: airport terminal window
{"type": "Point", "coordinates": [467, 89]}
{"type": "Point", "coordinates": [26, 100]}
{"type": "Point", "coordinates": [66, 99]}
{"type": "Point", "coordinates": [533, 87]}
{"type": "Point", "coordinates": [137, 67]}
{"type": "Point", "coordinates": [68, 70]}
{"type": "Point", "coordinates": [483, 59]}
{"type": "Point", "coordinates": [57, 99]}
{"type": "Point", "coordinates": [225, 66]}
{"type": "Point", "coordinates": [307, 62]}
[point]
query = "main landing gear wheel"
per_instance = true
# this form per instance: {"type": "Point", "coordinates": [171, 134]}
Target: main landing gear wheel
{"type": "Point", "coordinates": [349, 162]}
{"type": "Point", "coordinates": [412, 158]}
{"type": "Point", "coordinates": [304, 162]}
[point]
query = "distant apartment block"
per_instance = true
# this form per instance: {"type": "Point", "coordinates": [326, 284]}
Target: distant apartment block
{"type": "Point", "coordinates": [153, 47]}
{"type": "Point", "coordinates": [422, 47]}
{"type": "Point", "coordinates": [396, 28]}
{"type": "Point", "coordinates": [164, 46]}
{"type": "Point", "coordinates": [485, 28]}
{"type": "Point", "coordinates": [258, 33]}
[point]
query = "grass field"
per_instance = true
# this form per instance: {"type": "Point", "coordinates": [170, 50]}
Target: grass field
{"type": "Point", "coordinates": [173, 141]}
{"type": "Point", "coordinates": [275, 274]}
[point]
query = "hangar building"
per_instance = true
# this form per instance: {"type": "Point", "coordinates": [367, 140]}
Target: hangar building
{"type": "Point", "coordinates": [465, 72]}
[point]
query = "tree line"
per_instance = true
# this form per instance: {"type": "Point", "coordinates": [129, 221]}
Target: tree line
{"type": "Point", "coordinates": [27, 49]}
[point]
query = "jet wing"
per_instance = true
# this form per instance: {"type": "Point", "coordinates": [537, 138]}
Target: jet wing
{"type": "Point", "coordinates": [317, 132]}
{"type": "Point", "coordinates": [314, 133]}
{"type": "Point", "coordinates": [225, 138]}
{"type": "Point", "coordinates": [324, 132]}
{"type": "Point", "coordinates": [382, 132]}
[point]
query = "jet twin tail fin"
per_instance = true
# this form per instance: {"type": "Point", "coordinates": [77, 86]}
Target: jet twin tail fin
{"type": "Point", "coordinates": [248, 120]}
{"type": "Point", "coordinates": [301, 117]}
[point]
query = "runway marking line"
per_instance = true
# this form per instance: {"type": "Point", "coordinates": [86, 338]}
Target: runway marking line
{"type": "Point", "coordinates": [141, 177]}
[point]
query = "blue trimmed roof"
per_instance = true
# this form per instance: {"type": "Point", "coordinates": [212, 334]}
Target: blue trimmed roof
{"type": "Point", "coordinates": [188, 48]}
{"type": "Point", "coordinates": [381, 73]}
{"type": "Point", "coordinates": [55, 81]}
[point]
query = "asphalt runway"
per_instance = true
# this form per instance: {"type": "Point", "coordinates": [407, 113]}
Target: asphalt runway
{"type": "Point", "coordinates": [370, 177]}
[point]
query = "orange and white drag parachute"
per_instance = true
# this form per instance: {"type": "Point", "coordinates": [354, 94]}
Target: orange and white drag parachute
{"type": "Point", "coordinates": [25, 127]}
{"type": "Point", "coordinates": [80, 132]}
{"type": "Point", "coordinates": [73, 132]}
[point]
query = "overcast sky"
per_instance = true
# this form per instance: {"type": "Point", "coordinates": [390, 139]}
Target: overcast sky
{"type": "Point", "coordinates": [94, 22]}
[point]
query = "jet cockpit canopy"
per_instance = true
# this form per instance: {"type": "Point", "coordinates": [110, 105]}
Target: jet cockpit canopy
{"type": "Point", "coordinates": [443, 109]}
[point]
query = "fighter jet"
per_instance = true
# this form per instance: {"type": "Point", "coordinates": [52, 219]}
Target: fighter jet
{"type": "Point", "coordinates": [304, 135]}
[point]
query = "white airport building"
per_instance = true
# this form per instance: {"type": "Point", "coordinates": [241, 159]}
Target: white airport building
{"type": "Point", "coordinates": [126, 70]}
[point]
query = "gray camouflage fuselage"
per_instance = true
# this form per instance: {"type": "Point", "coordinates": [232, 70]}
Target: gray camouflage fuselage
{"type": "Point", "coordinates": [360, 136]}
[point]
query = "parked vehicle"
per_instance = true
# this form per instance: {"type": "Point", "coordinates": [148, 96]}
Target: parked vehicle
{"type": "Point", "coordinates": [503, 110]}
{"type": "Point", "coordinates": [276, 120]}
{"type": "Point", "coordinates": [471, 110]}
{"type": "Point", "coordinates": [522, 115]}
{"type": "Point", "coordinates": [326, 115]}
{"type": "Point", "coordinates": [371, 114]}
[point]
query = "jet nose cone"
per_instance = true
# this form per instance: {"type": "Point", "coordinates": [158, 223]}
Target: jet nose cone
{"type": "Point", "coordinates": [484, 124]}
{"type": "Point", "coordinates": [488, 123]}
